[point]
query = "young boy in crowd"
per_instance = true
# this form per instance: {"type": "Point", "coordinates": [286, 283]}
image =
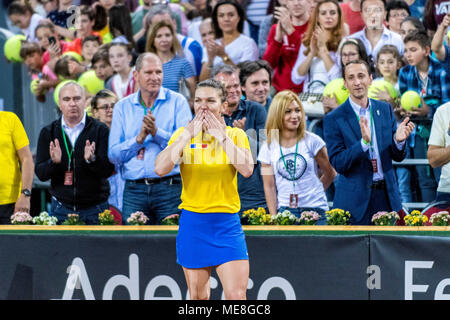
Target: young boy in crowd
{"type": "Point", "coordinates": [425, 75]}
{"type": "Point", "coordinates": [43, 78]}
{"type": "Point", "coordinates": [90, 46]}
{"type": "Point", "coordinates": [100, 64]}
{"type": "Point", "coordinates": [69, 68]}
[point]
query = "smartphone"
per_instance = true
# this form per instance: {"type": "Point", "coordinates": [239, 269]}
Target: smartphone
{"type": "Point", "coordinates": [51, 40]}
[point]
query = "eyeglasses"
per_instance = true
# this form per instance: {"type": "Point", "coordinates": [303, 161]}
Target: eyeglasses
{"type": "Point", "coordinates": [106, 107]}
{"type": "Point", "coordinates": [399, 15]}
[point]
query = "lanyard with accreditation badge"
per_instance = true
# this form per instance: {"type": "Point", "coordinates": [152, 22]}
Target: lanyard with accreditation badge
{"type": "Point", "coordinates": [373, 160]}
{"type": "Point", "coordinates": [293, 197]}
{"type": "Point", "coordinates": [68, 175]}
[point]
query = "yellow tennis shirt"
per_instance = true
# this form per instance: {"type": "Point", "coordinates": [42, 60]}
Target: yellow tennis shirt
{"type": "Point", "coordinates": [209, 177]}
{"type": "Point", "coordinates": [12, 138]}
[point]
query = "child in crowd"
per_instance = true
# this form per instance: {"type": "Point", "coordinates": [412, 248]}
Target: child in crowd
{"type": "Point", "coordinates": [389, 62]}
{"type": "Point", "coordinates": [69, 68]}
{"type": "Point", "coordinates": [61, 16]}
{"type": "Point", "coordinates": [90, 46]}
{"type": "Point", "coordinates": [122, 83]}
{"type": "Point", "coordinates": [48, 39]}
{"type": "Point", "coordinates": [425, 75]}
{"type": "Point", "coordinates": [22, 16]}
{"type": "Point", "coordinates": [43, 78]}
{"type": "Point", "coordinates": [100, 64]}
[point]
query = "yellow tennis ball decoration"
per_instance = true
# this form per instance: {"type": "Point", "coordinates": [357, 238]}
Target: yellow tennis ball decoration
{"type": "Point", "coordinates": [58, 87]}
{"type": "Point", "coordinates": [107, 38]}
{"type": "Point", "coordinates": [90, 82]}
{"type": "Point", "coordinates": [381, 85]}
{"type": "Point", "coordinates": [409, 100]}
{"type": "Point", "coordinates": [336, 87]}
{"type": "Point", "coordinates": [12, 46]}
{"type": "Point", "coordinates": [33, 86]}
{"type": "Point", "coordinates": [74, 54]}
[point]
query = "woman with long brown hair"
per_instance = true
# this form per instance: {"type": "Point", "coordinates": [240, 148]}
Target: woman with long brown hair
{"type": "Point", "coordinates": [162, 40]}
{"type": "Point", "coordinates": [317, 60]}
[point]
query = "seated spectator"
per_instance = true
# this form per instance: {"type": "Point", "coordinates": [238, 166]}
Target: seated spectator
{"type": "Point", "coordinates": [162, 41]}
{"type": "Point", "coordinates": [434, 13]}
{"type": "Point", "coordinates": [48, 39]}
{"type": "Point", "coordinates": [90, 46]}
{"type": "Point", "coordinates": [61, 15]}
{"type": "Point", "coordinates": [69, 68]}
{"type": "Point", "coordinates": [425, 75]}
{"type": "Point", "coordinates": [17, 164]}
{"type": "Point", "coordinates": [102, 109]}
{"type": "Point", "coordinates": [317, 62]}
{"type": "Point", "coordinates": [439, 48]}
{"type": "Point", "coordinates": [43, 77]}
{"type": "Point", "coordinates": [351, 11]}
{"type": "Point", "coordinates": [23, 17]}
{"type": "Point", "coordinates": [122, 83]}
{"type": "Point", "coordinates": [396, 12]}
{"type": "Point", "coordinates": [72, 153]}
{"type": "Point", "coordinates": [192, 50]}
{"type": "Point", "coordinates": [438, 151]}
{"type": "Point", "coordinates": [410, 25]}
{"type": "Point", "coordinates": [230, 46]}
{"type": "Point", "coordinates": [350, 50]}
{"type": "Point", "coordinates": [101, 66]}
{"type": "Point", "coordinates": [84, 23]}
{"type": "Point", "coordinates": [206, 30]}
{"type": "Point", "coordinates": [255, 78]}
{"type": "Point", "coordinates": [290, 160]}
{"type": "Point", "coordinates": [120, 24]}
{"type": "Point", "coordinates": [284, 40]}
{"type": "Point", "coordinates": [375, 34]}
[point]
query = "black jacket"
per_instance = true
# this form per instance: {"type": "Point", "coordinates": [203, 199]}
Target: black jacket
{"type": "Point", "coordinates": [90, 185]}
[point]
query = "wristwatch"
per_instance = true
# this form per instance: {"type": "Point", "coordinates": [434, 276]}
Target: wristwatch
{"type": "Point", "coordinates": [26, 192]}
{"type": "Point", "coordinates": [226, 59]}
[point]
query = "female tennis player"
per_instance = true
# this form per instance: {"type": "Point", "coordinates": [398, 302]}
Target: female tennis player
{"type": "Point", "coordinates": [210, 233]}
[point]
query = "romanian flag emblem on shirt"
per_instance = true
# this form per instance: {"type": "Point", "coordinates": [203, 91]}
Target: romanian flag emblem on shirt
{"type": "Point", "coordinates": [199, 145]}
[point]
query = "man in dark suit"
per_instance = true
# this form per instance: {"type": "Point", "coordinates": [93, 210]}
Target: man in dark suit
{"type": "Point", "coordinates": [362, 140]}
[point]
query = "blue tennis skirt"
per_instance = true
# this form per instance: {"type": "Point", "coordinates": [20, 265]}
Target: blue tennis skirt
{"type": "Point", "coordinates": [209, 239]}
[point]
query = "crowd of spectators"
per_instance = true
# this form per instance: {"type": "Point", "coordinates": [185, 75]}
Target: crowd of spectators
{"type": "Point", "coordinates": [149, 56]}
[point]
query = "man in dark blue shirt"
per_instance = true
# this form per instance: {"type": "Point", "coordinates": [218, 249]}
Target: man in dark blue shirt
{"type": "Point", "coordinates": [250, 116]}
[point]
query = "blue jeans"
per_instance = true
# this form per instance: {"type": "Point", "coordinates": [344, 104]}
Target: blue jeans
{"type": "Point", "coordinates": [156, 201]}
{"type": "Point", "coordinates": [427, 183]}
{"type": "Point", "coordinates": [404, 178]}
{"type": "Point", "coordinates": [88, 215]}
{"type": "Point", "coordinates": [298, 211]}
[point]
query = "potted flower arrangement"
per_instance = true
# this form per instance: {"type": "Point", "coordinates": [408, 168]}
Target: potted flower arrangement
{"type": "Point", "coordinates": [257, 217]}
{"type": "Point", "coordinates": [137, 218]}
{"type": "Point", "coordinates": [440, 218]}
{"type": "Point", "coordinates": [172, 220]}
{"type": "Point", "coordinates": [284, 218]}
{"type": "Point", "coordinates": [337, 217]}
{"type": "Point", "coordinates": [384, 218]}
{"type": "Point", "coordinates": [106, 218]}
{"type": "Point", "coordinates": [21, 218]}
{"type": "Point", "coordinates": [415, 218]}
{"type": "Point", "coordinates": [308, 218]}
{"type": "Point", "coordinates": [73, 219]}
{"type": "Point", "coordinates": [45, 219]}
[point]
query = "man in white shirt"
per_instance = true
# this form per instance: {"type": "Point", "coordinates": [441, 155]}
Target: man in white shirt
{"type": "Point", "coordinates": [375, 34]}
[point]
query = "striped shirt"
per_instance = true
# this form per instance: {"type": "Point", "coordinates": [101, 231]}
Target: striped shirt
{"type": "Point", "coordinates": [436, 88]}
{"type": "Point", "coordinates": [174, 70]}
{"type": "Point", "coordinates": [256, 11]}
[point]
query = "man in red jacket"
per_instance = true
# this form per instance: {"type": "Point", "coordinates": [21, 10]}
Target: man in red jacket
{"type": "Point", "coordinates": [284, 42]}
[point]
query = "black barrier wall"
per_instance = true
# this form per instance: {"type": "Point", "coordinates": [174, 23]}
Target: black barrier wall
{"type": "Point", "coordinates": [102, 267]}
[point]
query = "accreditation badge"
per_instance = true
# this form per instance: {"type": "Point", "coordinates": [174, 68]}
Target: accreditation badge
{"type": "Point", "coordinates": [293, 200]}
{"type": "Point", "coordinates": [68, 178]}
